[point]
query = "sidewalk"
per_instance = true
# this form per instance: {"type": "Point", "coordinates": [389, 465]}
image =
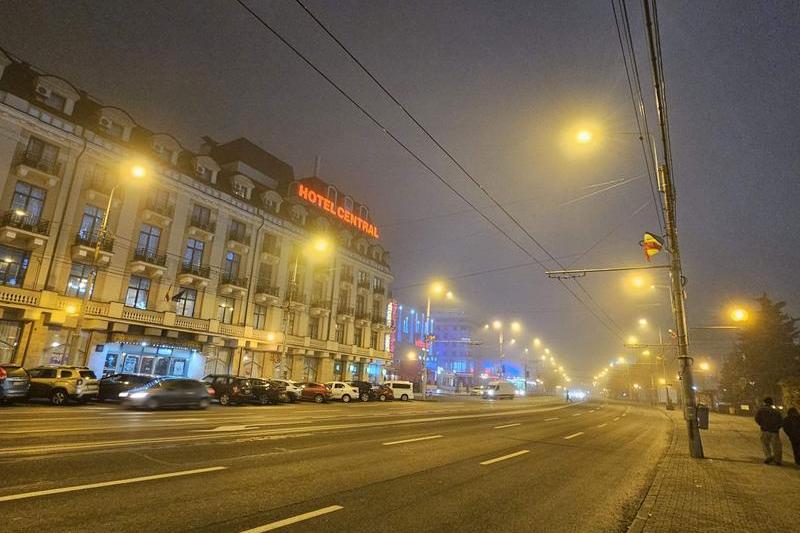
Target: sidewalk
{"type": "Point", "coordinates": [730, 490]}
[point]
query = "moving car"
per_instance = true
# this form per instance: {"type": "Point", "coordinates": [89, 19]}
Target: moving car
{"type": "Point", "coordinates": [499, 389]}
{"type": "Point", "coordinates": [477, 391]}
{"type": "Point", "coordinates": [402, 390]}
{"type": "Point", "coordinates": [60, 384]}
{"type": "Point", "coordinates": [342, 391]}
{"type": "Point", "coordinates": [364, 390]}
{"type": "Point", "coordinates": [314, 392]}
{"type": "Point", "coordinates": [14, 383]}
{"type": "Point", "coordinates": [235, 389]}
{"type": "Point", "coordinates": [292, 389]}
{"type": "Point", "coordinates": [169, 392]}
{"type": "Point", "coordinates": [111, 386]}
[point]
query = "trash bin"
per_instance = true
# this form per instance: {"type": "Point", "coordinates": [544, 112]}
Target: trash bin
{"type": "Point", "coordinates": [702, 416]}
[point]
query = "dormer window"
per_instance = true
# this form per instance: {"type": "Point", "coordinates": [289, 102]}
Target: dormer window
{"type": "Point", "coordinates": [112, 128]}
{"type": "Point", "coordinates": [363, 212]}
{"type": "Point", "coordinates": [241, 186]}
{"type": "Point", "coordinates": [163, 152]}
{"type": "Point", "coordinates": [51, 98]}
{"type": "Point", "coordinates": [333, 194]}
{"type": "Point", "coordinates": [239, 190]}
{"type": "Point", "coordinates": [348, 203]}
{"type": "Point", "coordinates": [205, 173]}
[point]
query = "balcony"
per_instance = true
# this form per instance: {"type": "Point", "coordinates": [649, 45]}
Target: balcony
{"type": "Point", "coordinates": [381, 290]}
{"type": "Point", "coordinates": [345, 312]}
{"type": "Point", "coordinates": [191, 274]}
{"type": "Point", "coordinates": [201, 229]}
{"type": "Point", "coordinates": [320, 307]}
{"type": "Point", "coordinates": [23, 231]}
{"type": "Point", "coordinates": [363, 317]}
{"type": "Point", "coordinates": [232, 285]}
{"type": "Point", "coordinates": [378, 319]}
{"type": "Point", "coordinates": [98, 186]}
{"type": "Point", "coordinates": [37, 168]}
{"type": "Point", "coordinates": [363, 284]}
{"type": "Point", "coordinates": [239, 241]}
{"type": "Point", "coordinates": [346, 279]}
{"type": "Point", "coordinates": [270, 253]}
{"type": "Point", "coordinates": [85, 245]}
{"type": "Point", "coordinates": [267, 293]}
{"type": "Point", "coordinates": [157, 212]}
{"type": "Point", "coordinates": [149, 263]}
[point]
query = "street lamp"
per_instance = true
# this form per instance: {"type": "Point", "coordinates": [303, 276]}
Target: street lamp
{"type": "Point", "coordinates": [436, 289]}
{"type": "Point", "coordinates": [740, 315]}
{"type": "Point", "coordinates": [643, 322]}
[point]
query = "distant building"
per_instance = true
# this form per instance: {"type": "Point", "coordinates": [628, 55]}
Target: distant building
{"type": "Point", "coordinates": [453, 351]}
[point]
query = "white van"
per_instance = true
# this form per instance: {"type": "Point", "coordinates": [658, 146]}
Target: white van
{"type": "Point", "coordinates": [499, 389]}
{"type": "Point", "coordinates": [402, 390]}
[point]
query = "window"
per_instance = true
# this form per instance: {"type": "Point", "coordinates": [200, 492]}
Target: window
{"type": "Point", "coordinates": [225, 310]}
{"type": "Point", "coordinates": [290, 322]}
{"type": "Point", "coordinates": [28, 199]}
{"type": "Point", "coordinates": [112, 128]}
{"type": "Point", "coordinates": [363, 277]}
{"type": "Point", "coordinates": [363, 212]}
{"type": "Point", "coordinates": [159, 199]}
{"type": "Point", "coordinates": [187, 299]}
{"type": "Point", "coordinates": [91, 222]}
{"type": "Point", "coordinates": [46, 373]}
{"type": "Point", "coordinates": [361, 304]}
{"type": "Point", "coordinates": [205, 173]}
{"type": "Point", "coordinates": [78, 280]}
{"type": "Point", "coordinates": [237, 231]}
{"type": "Point", "coordinates": [358, 336]}
{"type": "Point", "coordinates": [373, 340]}
{"type": "Point", "coordinates": [148, 239]}
{"type": "Point", "coordinates": [163, 152]}
{"type": "Point", "coordinates": [260, 317]}
{"type": "Point", "coordinates": [193, 256]}
{"type": "Point", "coordinates": [348, 203]}
{"type": "Point", "coordinates": [231, 267]}
{"type": "Point", "coordinates": [10, 331]}
{"type": "Point", "coordinates": [265, 273]}
{"type": "Point", "coordinates": [313, 328]}
{"type": "Point", "coordinates": [377, 284]}
{"type": "Point", "coordinates": [333, 194]}
{"type": "Point", "coordinates": [53, 99]}
{"type": "Point", "coordinates": [13, 265]}
{"type": "Point", "coordinates": [41, 155]}
{"type": "Point", "coordinates": [340, 333]}
{"type": "Point", "coordinates": [138, 289]}
{"type": "Point", "coordinates": [201, 216]}
{"type": "Point", "coordinates": [239, 190]}
{"type": "Point", "coordinates": [310, 369]}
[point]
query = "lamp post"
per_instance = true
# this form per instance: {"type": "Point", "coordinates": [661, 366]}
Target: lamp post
{"type": "Point", "coordinates": [436, 289]}
{"type": "Point", "coordinates": [137, 172]}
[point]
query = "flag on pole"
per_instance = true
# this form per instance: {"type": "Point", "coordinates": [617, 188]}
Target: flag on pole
{"type": "Point", "coordinates": [651, 244]}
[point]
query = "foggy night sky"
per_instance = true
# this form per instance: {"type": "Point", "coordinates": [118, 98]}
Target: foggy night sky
{"type": "Point", "coordinates": [501, 84]}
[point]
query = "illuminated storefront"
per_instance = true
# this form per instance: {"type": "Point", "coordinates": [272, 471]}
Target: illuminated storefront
{"type": "Point", "coordinates": [156, 357]}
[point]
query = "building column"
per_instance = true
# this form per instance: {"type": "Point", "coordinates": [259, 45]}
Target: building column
{"type": "Point", "coordinates": [325, 368]}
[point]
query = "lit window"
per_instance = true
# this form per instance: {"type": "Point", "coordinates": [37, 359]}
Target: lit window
{"type": "Point", "coordinates": [138, 290]}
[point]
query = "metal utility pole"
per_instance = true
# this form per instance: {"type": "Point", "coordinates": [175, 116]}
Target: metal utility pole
{"type": "Point", "coordinates": [287, 308]}
{"type": "Point", "coordinates": [667, 189]}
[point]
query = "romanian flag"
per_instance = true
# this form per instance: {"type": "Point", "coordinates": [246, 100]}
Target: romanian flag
{"type": "Point", "coordinates": [651, 244]}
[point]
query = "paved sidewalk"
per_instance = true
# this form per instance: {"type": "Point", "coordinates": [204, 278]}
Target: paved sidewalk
{"type": "Point", "coordinates": [730, 490]}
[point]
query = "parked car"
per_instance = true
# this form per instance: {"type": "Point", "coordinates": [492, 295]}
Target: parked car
{"type": "Point", "coordinates": [293, 389]}
{"type": "Point", "coordinates": [169, 392]}
{"type": "Point", "coordinates": [403, 390]}
{"type": "Point", "coordinates": [382, 393]}
{"type": "Point", "coordinates": [477, 391]}
{"type": "Point", "coordinates": [111, 386]}
{"type": "Point", "coordinates": [14, 383]}
{"type": "Point", "coordinates": [342, 391]}
{"type": "Point", "coordinates": [314, 392]}
{"type": "Point", "coordinates": [60, 384]}
{"type": "Point", "coordinates": [365, 392]}
{"type": "Point", "coordinates": [235, 389]}
{"type": "Point", "coordinates": [498, 390]}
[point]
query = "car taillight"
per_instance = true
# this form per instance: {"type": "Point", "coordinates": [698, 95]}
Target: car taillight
{"type": "Point", "coordinates": [211, 391]}
{"type": "Point", "coordinates": [3, 372]}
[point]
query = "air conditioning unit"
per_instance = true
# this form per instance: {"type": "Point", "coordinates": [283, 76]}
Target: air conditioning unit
{"type": "Point", "coordinates": [43, 91]}
{"type": "Point", "coordinates": [105, 122]}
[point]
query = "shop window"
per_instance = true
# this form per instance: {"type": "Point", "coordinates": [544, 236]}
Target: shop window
{"type": "Point", "coordinates": [78, 280]}
{"type": "Point", "coordinates": [10, 331]}
{"type": "Point", "coordinates": [310, 365]}
{"type": "Point", "coordinates": [162, 366]}
{"type": "Point", "coordinates": [259, 316]}
{"type": "Point", "coordinates": [225, 309]}
{"type": "Point", "coordinates": [253, 364]}
{"type": "Point", "coordinates": [186, 301]}
{"type": "Point", "coordinates": [355, 371]}
{"type": "Point", "coordinates": [28, 202]}
{"type": "Point", "coordinates": [138, 291]}
{"type": "Point", "coordinates": [217, 361]}
{"type": "Point", "coordinates": [13, 265]}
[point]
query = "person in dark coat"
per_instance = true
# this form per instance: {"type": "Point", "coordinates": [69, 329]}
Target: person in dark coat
{"type": "Point", "coordinates": [791, 426]}
{"type": "Point", "coordinates": [770, 421]}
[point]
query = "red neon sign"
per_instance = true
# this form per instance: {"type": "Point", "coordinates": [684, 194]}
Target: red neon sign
{"type": "Point", "coordinates": [348, 217]}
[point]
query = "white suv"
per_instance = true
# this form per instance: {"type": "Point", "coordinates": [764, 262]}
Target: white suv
{"type": "Point", "coordinates": [342, 391]}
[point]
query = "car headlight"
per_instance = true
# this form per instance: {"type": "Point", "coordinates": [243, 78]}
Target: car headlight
{"type": "Point", "coordinates": [123, 394]}
{"type": "Point", "coordinates": [139, 395]}
{"type": "Point", "coordinates": [490, 392]}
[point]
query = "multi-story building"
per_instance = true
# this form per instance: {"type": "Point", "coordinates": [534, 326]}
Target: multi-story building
{"type": "Point", "coordinates": [185, 270]}
{"type": "Point", "coordinates": [453, 349]}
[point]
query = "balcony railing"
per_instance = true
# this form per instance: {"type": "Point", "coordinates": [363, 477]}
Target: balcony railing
{"type": "Point", "coordinates": [321, 304]}
{"type": "Point", "coordinates": [346, 310]}
{"type": "Point", "coordinates": [205, 225]}
{"type": "Point", "coordinates": [378, 318]}
{"type": "Point", "coordinates": [362, 314]}
{"type": "Point", "coordinates": [160, 207]}
{"type": "Point", "coordinates": [100, 184]}
{"type": "Point", "coordinates": [263, 287]}
{"type": "Point", "coordinates": [149, 256]}
{"type": "Point", "coordinates": [91, 240]}
{"type": "Point", "coordinates": [363, 284]}
{"type": "Point", "coordinates": [38, 162]}
{"type": "Point", "coordinates": [196, 270]}
{"type": "Point", "coordinates": [230, 279]}
{"type": "Point", "coordinates": [379, 290]}
{"type": "Point", "coordinates": [30, 223]}
{"type": "Point", "coordinates": [239, 236]}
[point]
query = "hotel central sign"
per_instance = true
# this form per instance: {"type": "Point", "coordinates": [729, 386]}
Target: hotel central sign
{"type": "Point", "coordinates": [348, 217]}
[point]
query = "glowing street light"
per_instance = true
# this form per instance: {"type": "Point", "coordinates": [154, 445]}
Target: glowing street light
{"type": "Point", "coordinates": [643, 322]}
{"type": "Point", "coordinates": [584, 137]}
{"type": "Point", "coordinates": [547, 351]}
{"type": "Point", "coordinates": [515, 326]}
{"type": "Point", "coordinates": [632, 339]}
{"type": "Point", "coordinates": [704, 366]}
{"type": "Point", "coordinates": [497, 324]}
{"type": "Point", "coordinates": [537, 342]}
{"type": "Point", "coordinates": [740, 315]}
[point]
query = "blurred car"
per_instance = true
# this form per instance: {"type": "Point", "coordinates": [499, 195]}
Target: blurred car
{"type": "Point", "coordinates": [111, 386]}
{"type": "Point", "coordinates": [293, 389]}
{"type": "Point", "coordinates": [364, 390]}
{"type": "Point", "coordinates": [314, 392]}
{"type": "Point", "coordinates": [382, 393]}
{"type": "Point", "coordinates": [60, 384]}
{"type": "Point", "coordinates": [477, 391]}
{"type": "Point", "coordinates": [342, 391]}
{"type": "Point", "coordinates": [14, 383]}
{"type": "Point", "coordinates": [169, 392]}
{"type": "Point", "coordinates": [235, 389]}
{"type": "Point", "coordinates": [498, 390]}
{"type": "Point", "coordinates": [403, 390]}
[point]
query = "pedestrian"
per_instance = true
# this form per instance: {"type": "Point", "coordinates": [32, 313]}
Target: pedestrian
{"type": "Point", "coordinates": [791, 426]}
{"type": "Point", "coordinates": [770, 421]}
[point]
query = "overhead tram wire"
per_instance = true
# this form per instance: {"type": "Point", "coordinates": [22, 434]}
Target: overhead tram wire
{"type": "Point", "coordinates": [376, 122]}
{"type": "Point", "coordinates": [637, 101]}
{"type": "Point", "coordinates": [455, 162]}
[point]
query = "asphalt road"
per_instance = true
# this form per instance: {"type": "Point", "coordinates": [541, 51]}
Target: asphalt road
{"type": "Point", "coordinates": [533, 464]}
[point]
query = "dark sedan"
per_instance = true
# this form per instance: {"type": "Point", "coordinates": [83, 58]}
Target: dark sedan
{"type": "Point", "coordinates": [111, 386]}
{"type": "Point", "coordinates": [169, 392]}
{"type": "Point", "coordinates": [230, 390]}
{"type": "Point", "coordinates": [14, 383]}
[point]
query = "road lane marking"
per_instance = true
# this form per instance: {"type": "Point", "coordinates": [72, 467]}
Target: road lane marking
{"type": "Point", "coordinates": [550, 419]}
{"type": "Point", "coordinates": [616, 419]}
{"type": "Point", "coordinates": [412, 440]}
{"type": "Point", "coordinates": [507, 426]}
{"type": "Point", "coordinates": [604, 424]}
{"type": "Point", "coordinates": [504, 457]}
{"type": "Point", "coordinates": [225, 428]}
{"type": "Point", "coordinates": [591, 410]}
{"type": "Point", "coordinates": [578, 434]}
{"type": "Point", "coordinates": [624, 414]}
{"type": "Point", "coordinates": [293, 520]}
{"type": "Point", "coordinates": [577, 414]}
{"type": "Point", "coordinates": [102, 484]}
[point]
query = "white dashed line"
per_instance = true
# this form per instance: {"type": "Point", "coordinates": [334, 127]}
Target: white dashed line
{"type": "Point", "coordinates": [577, 414]}
{"type": "Point", "coordinates": [578, 434]}
{"type": "Point", "coordinates": [504, 457]}
{"type": "Point", "coordinates": [293, 520]}
{"type": "Point", "coordinates": [616, 419]}
{"type": "Point", "coordinates": [507, 426]}
{"type": "Point", "coordinates": [603, 425]}
{"type": "Point", "coordinates": [550, 419]}
{"type": "Point", "coordinates": [412, 440]}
